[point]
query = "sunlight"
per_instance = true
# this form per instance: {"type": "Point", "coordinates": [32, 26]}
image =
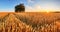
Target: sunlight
{"type": "Point", "coordinates": [47, 11]}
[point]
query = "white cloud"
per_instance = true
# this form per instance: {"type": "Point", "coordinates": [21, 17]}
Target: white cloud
{"type": "Point", "coordinates": [30, 1]}
{"type": "Point", "coordinates": [29, 9]}
{"type": "Point", "coordinates": [46, 6]}
{"type": "Point", "coordinates": [35, 8]}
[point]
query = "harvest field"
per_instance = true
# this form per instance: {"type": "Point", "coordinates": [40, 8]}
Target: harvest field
{"type": "Point", "coordinates": [30, 22]}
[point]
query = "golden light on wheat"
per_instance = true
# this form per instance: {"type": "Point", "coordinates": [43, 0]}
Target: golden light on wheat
{"type": "Point", "coordinates": [30, 22]}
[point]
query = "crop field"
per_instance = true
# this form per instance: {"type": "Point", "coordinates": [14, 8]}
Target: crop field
{"type": "Point", "coordinates": [30, 22]}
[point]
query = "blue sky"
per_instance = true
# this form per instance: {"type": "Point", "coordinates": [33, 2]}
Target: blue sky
{"type": "Point", "coordinates": [31, 5]}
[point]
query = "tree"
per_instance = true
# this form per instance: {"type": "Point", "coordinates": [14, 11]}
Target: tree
{"type": "Point", "coordinates": [20, 8]}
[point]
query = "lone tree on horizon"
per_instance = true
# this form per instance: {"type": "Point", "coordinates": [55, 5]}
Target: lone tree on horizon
{"type": "Point", "coordinates": [20, 8]}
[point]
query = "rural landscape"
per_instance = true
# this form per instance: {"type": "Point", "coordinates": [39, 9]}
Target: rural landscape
{"type": "Point", "coordinates": [30, 22]}
{"type": "Point", "coordinates": [29, 15]}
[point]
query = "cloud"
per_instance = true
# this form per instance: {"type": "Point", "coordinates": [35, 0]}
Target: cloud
{"type": "Point", "coordinates": [30, 1]}
{"type": "Point", "coordinates": [35, 8]}
{"type": "Point", "coordinates": [38, 7]}
{"type": "Point", "coordinates": [29, 9]}
{"type": "Point", "coordinates": [42, 6]}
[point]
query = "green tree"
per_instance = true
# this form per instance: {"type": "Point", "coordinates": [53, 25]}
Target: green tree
{"type": "Point", "coordinates": [20, 8]}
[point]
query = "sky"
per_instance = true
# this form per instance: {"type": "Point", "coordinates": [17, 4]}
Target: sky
{"type": "Point", "coordinates": [30, 5]}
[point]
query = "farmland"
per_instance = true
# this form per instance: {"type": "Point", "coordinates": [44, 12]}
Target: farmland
{"type": "Point", "coordinates": [30, 22]}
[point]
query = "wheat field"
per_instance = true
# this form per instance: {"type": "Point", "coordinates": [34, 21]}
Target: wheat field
{"type": "Point", "coordinates": [30, 22]}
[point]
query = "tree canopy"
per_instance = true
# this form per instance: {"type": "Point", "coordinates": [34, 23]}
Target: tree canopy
{"type": "Point", "coordinates": [20, 8]}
